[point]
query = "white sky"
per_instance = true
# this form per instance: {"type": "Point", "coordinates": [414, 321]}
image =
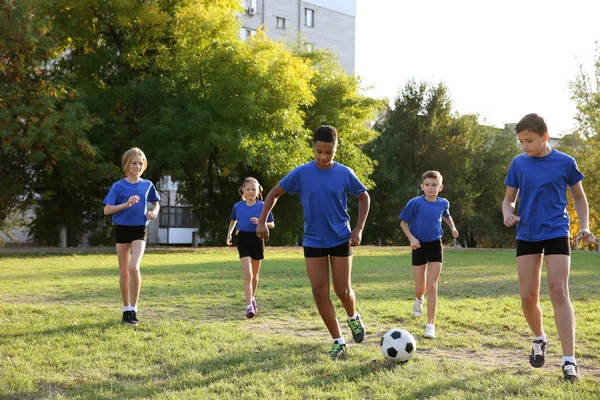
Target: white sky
{"type": "Point", "coordinates": [499, 59]}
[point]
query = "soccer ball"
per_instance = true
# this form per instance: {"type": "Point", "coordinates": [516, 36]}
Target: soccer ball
{"type": "Point", "coordinates": [398, 345]}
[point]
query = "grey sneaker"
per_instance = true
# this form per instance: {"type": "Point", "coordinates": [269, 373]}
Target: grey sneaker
{"type": "Point", "coordinates": [430, 331]}
{"type": "Point", "coordinates": [570, 371]}
{"type": "Point", "coordinates": [337, 351]}
{"type": "Point", "coordinates": [418, 308]}
{"type": "Point", "coordinates": [358, 329]}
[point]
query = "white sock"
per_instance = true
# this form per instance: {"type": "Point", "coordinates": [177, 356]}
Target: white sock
{"type": "Point", "coordinates": [420, 300]}
{"type": "Point", "coordinates": [568, 358]}
{"type": "Point", "coordinates": [249, 306]}
{"type": "Point", "coordinates": [340, 340]}
{"type": "Point", "coordinates": [430, 325]}
{"type": "Point", "coordinates": [352, 317]}
{"type": "Point", "coordinates": [128, 308]}
{"type": "Point", "coordinates": [542, 337]}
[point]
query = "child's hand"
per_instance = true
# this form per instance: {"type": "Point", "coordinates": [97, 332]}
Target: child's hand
{"type": "Point", "coordinates": [228, 241]}
{"type": "Point", "coordinates": [254, 220]}
{"type": "Point", "coordinates": [414, 243]}
{"type": "Point", "coordinates": [355, 237]}
{"type": "Point", "coordinates": [511, 219]}
{"type": "Point", "coordinates": [586, 235]}
{"type": "Point", "coordinates": [133, 200]}
{"type": "Point", "coordinates": [150, 215]}
{"type": "Point", "coordinates": [454, 233]}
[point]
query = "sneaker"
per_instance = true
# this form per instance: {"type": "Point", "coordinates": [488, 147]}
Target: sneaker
{"type": "Point", "coordinates": [337, 351]}
{"type": "Point", "coordinates": [430, 331]}
{"type": "Point", "coordinates": [418, 308]}
{"type": "Point", "coordinates": [255, 306]}
{"type": "Point", "coordinates": [127, 318]}
{"type": "Point", "coordinates": [133, 318]}
{"type": "Point", "coordinates": [538, 353]}
{"type": "Point", "coordinates": [250, 313]}
{"type": "Point", "coordinates": [358, 329]}
{"type": "Point", "coordinates": [570, 371]}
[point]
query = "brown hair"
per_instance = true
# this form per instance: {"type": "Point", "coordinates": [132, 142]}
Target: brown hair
{"type": "Point", "coordinates": [128, 156]}
{"type": "Point", "coordinates": [434, 175]}
{"type": "Point", "coordinates": [532, 122]}
{"type": "Point", "coordinates": [251, 180]}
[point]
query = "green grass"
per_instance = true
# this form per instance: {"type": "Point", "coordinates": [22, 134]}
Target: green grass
{"type": "Point", "coordinates": [61, 336]}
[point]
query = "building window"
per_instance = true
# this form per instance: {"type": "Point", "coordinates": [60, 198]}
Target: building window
{"type": "Point", "coordinates": [309, 17]}
{"type": "Point", "coordinates": [280, 23]}
{"type": "Point", "coordinates": [310, 47]}
{"type": "Point", "coordinates": [177, 217]}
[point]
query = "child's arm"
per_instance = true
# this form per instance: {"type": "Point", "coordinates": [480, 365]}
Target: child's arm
{"type": "Point", "coordinates": [262, 228]}
{"type": "Point", "coordinates": [448, 220]}
{"type": "Point", "coordinates": [232, 223]}
{"type": "Point", "coordinates": [582, 208]}
{"type": "Point", "coordinates": [508, 206]}
{"type": "Point", "coordinates": [110, 209]}
{"type": "Point", "coordinates": [152, 214]}
{"type": "Point", "coordinates": [414, 242]}
{"type": "Point", "coordinates": [364, 204]}
{"type": "Point", "coordinates": [270, 225]}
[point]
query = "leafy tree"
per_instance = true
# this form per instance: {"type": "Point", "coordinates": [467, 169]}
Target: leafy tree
{"type": "Point", "coordinates": [421, 133]}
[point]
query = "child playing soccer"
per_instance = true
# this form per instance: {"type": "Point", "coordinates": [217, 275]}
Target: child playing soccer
{"type": "Point", "coordinates": [540, 178]}
{"type": "Point", "coordinates": [127, 203]}
{"type": "Point", "coordinates": [245, 215]}
{"type": "Point", "coordinates": [421, 222]}
{"type": "Point", "coordinates": [322, 185]}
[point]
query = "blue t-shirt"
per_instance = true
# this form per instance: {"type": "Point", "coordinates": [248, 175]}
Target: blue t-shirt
{"type": "Point", "coordinates": [425, 217]}
{"type": "Point", "coordinates": [323, 196]}
{"type": "Point", "coordinates": [135, 215]}
{"type": "Point", "coordinates": [242, 214]}
{"type": "Point", "coordinates": [542, 184]}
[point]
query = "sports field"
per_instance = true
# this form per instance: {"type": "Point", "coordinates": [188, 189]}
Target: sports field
{"type": "Point", "coordinates": [61, 336]}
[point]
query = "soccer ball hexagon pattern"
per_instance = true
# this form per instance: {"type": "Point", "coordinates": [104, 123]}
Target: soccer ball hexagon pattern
{"type": "Point", "coordinates": [398, 345]}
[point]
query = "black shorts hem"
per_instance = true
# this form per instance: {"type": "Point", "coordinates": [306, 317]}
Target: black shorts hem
{"type": "Point", "coordinates": [127, 234]}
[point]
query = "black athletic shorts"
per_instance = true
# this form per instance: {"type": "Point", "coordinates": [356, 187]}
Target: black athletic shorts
{"type": "Point", "coordinates": [250, 245]}
{"type": "Point", "coordinates": [342, 250]}
{"type": "Point", "coordinates": [428, 252]}
{"type": "Point", "coordinates": [549, 247]}
{"type": "Point", "coordinates": [127, 234]}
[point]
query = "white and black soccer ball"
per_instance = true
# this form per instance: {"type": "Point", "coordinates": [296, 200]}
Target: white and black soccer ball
{"type": "Point", "coordinates": [398, 345]}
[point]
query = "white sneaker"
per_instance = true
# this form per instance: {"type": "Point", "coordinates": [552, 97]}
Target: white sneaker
{"type": "Point", "coordinates": [430, 331]}
{"type": "Point", "coordinates": [418, 308]}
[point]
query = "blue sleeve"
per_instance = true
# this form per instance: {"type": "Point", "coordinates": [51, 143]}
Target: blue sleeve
{"type": "Point", "coordinates": [408, 212]}
{"type": "Point", "coordinates": [575, 175]}
{"type": "Point", "coordinates": [446, 212]}
{"type": "Point", "coordinates": [512, 179]}
{"type": "Point", "coordinates": [153, 196]}
{"type": "Point", "coordinates": [289, 183]}
{"type": "Point", "coordinates": [233, 215]}
{"type": "Point", "coordinates": [111, 197]}
{"type": "Point", "coordinates": [355, 186]}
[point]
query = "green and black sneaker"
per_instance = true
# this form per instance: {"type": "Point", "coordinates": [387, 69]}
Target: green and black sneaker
{"type": "Point", "coordinates": [357, 328]}
{"type": "Point", "coordinates": [337, 351]}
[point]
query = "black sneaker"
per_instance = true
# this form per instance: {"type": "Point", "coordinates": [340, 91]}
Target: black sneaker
{"type": "Point", "coordinates": [133, 318]}
{"type": "Point", "coordinates": [337, 351]}
{"type": "Point", "coordinates": [537, 358]}
{"type": "Point", "coordinates": [126, 317]}
{"type": "Point", "coordinates": [570, 371]}
{"type": "Point", "coordinates": [357, 328]}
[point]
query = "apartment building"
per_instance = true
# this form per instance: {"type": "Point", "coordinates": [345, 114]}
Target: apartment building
{"type": "Point", "coordinates": [323, 24]}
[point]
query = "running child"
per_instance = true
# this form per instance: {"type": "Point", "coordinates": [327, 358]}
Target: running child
{"type": "Point", "coordinates": [245, 215]}
{"type": "Point", "coordinates": [421, 222]}
{"type": "Point", "coordinates": [540, 178]}
{"type": "Point", "coordinates": [127, 202]}
{"type": "Point", "coordinates": [323, 186]}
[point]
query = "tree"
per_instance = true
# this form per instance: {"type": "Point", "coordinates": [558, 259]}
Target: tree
{"type": "Point", "coordinates": [421, 133]}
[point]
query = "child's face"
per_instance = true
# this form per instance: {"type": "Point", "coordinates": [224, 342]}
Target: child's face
{"type": "Point", "coordinates": [431, 187]}
{"type": "Point", "coordinates": [324, 153]}
{"type": "Point", "coordinates": [136, 166]}
{"type": "Point", "coordinates": [533, 144]}
{"type": "Point", "coordinates": [250, 190]}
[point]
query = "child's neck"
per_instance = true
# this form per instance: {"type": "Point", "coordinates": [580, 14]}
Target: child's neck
{"type": "Point", "coordinates": [132, 178]}
{"type": "Point", "coordinates": [431, 199]}
{"type": "Point", "coordinates": [250, 202]}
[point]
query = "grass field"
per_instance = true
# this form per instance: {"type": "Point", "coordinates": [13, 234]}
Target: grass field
{"type": "Point", "coordinates": [61, 336]}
